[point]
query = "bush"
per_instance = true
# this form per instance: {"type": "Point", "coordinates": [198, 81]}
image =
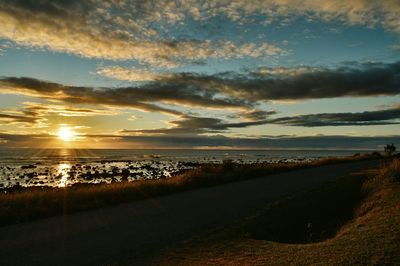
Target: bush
{"type": "Point", "coordinates": [390, 149]}
{"type": "Point", "coordinates": [376, 154]}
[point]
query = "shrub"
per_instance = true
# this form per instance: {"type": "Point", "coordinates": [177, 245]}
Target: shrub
{"type": "Point", "coordinates": [390, 149]}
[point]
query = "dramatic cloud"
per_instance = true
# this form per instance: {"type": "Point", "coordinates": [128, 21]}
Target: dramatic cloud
{"type": "Point", "coordinates": [132, 74]}
{"type": "Point", "coordinates": [301, 83]}
{"type": "Point", "coordinates": [111, 30]}
{"type": "Point", "coordinates": [138, 30]}
{"type": "Point", "coordinates": [195, 125]}
{"type": "Point", "coordinates": [284, 142]}
{"type": "Point", "coordinates": [253, 115]}
{"type": "Point", "coordinates": [198, 141]}
{"type": "Point", "coordinates": [143, 98]}
{"type": "Point", "coordinates": [225, 90]}
{"type": "Point", "coordinates": [11, 119]}
{"type": "Point", "coordinates": [190, 125]}
{"type": "Point", "coordinates": [26, 117]}
{"type": "Point", "coordinates": [380, 117]}
{"type": "Point", "coordinates": [354, 80]}
{"type": "Point", "coordinates": [40, 109]}
{"type": "Point", "coordinates": [360, 12]}
{"type": "Point", "coordinates": [35, 115]}
{"type": "Point", "coordinates": [283, 72]}
{"type": "Point", "coordinates": [265, 84]}
{"type": "Point", "coordinates": [240, 57]}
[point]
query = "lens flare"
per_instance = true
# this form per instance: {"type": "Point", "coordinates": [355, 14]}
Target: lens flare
{"type": "Point", "coordinates": [66, 134]}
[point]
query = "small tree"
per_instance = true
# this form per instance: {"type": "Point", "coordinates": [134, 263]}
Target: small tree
{"type": "Point", "coordinates": [390, 149]}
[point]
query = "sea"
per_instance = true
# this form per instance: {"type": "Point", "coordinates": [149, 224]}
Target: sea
{"type": "Point", "coordinates": [66, 167]}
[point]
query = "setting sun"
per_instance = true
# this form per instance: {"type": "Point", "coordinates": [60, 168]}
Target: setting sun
{"type": "Point", "coordinates": [66, 134]}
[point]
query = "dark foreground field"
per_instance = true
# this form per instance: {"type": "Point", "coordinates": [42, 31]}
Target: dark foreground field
{"type": "Point", "coordinates": [140, 232]}
{"type": "Point", "coordinates": [354, 220]}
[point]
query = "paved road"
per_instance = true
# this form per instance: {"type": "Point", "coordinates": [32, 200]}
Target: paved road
{"type": "Point", "coordinates": [125, 232]}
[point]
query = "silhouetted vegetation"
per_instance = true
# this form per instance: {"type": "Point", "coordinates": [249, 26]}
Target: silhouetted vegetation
{"type": "Point", "coordinates": [390, 149]}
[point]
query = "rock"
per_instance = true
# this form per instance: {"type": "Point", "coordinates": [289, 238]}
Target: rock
{"type": "Point", "coordinates": [30, 175]}
{"type": "Point", "coordinates": [30, 166]}
{"type": "Point", "coordinates": [125, 174]}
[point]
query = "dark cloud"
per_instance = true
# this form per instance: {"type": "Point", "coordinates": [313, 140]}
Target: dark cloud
{"type": "Point", "coordinates": [349, 80]}
{"type": "Point", "coordinates": [352, 80]}
{"type": "Point", "coordinates": [10, 119]}
{"type": "Point", "coordinates": [254, 115]}
{"type": "Point", "coordinates": [188, 125]}
{"type": "Point", "coordinates": [233, 90]}
{"type": "Point", "coordinates": [150, 96]}
{"type": "Point", "coordinates": [197, 141]}
{"type": "Point", "coordinates": [144, 98]}
{"type": "Point", "coordinates": [379, 117]}
{"type": "Point", "coordinates": [27, 116]}
{"type": "Point", "coordinates": [226, 90]}
{"type": "Point", "coordinates": [53, 8]}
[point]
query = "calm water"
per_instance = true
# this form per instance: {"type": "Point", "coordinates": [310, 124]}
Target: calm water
{"type": "Point", "coordinates": [65, 167]}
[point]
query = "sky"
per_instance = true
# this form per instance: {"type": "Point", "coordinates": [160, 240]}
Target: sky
{"type": "Point", "coordinates": [237, 74]}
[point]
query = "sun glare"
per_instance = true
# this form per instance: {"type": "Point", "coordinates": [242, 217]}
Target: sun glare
{"type": "Point", "coordinates": [63, 170]}
{"type": "Point", "coordinates": [66, 134]}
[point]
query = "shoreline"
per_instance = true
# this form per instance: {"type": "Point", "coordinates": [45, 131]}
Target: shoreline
{"type": "Point", "coordinates": [55, 172]}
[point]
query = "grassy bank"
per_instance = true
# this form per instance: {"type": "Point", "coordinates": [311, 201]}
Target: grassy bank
{"type": "Point", "coordinates": [33, 203]}
{"type": "Point", "coordinates": [352, 221]}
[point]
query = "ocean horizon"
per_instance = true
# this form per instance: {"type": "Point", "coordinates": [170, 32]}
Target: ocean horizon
{"type": "Point", "coordinates": [32, 155]}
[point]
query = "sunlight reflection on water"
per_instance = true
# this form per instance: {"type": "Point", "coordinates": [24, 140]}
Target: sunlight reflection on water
{"type": "Point", "coordinates": [62, 170]}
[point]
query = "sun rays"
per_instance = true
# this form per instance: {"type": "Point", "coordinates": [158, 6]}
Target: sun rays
{"type": "Point", "coordinates": [66, 133]}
